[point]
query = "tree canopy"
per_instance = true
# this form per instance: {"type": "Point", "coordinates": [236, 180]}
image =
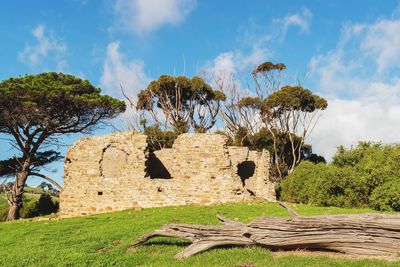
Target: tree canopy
{"type": "Point", "coordinates": [271, 116]}
{"type": "Point", "coordinates": [292, 111]}
{"type": "Point", "coordinates": [183, 101]}
{"type": "Point", "coordinates": [54, 103]}
{"type": "Point", "coordinates": [35, 110]}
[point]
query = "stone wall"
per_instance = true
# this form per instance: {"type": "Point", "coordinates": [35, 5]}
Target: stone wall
{"type": "Point", "coordinates": [116, 172]}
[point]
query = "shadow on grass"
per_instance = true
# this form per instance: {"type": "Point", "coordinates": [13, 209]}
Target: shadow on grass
{"type": "Point", "coordinates": [168, 242]}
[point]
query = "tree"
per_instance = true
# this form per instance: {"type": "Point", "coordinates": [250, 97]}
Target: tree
{"type": "Point", "coordinates": [9, 167]}
{"type": "Point", "coordinates": [181, 102]}
{"type": "Point", "coordinates": [240, 111]}
{"type": "Point", "coordinates": [292, 110]}
{"type": "Point", "coordinates": [45, 185]}
{"type": "Point", "coordinates": [268, 78]}
{"type": "Point", "coordinates": [275, 118]}
{"type": "Point", "coordinates": [36, 110]}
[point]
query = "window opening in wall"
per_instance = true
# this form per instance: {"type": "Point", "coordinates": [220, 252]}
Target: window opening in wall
{"type": "Point", "coordinates": [155, 169]}
{"type": "Point", "coordinates": [246, 170]}
{"type": "Point", "coordinates": [100, 193]}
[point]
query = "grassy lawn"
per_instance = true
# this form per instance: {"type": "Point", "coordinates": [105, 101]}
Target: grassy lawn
{"type": "Point", "coordinates": [102, 240]}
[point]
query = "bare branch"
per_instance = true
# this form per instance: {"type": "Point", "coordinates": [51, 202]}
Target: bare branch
{"type": "Point", "coordinates": [47, 179]}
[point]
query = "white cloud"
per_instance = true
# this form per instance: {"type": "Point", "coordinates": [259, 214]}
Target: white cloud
{"type": "Point", "coordinates": [346, 122]}
{"type": "Point", "coordinates": [382, 43]}
{"type": "Point", "coordinates": [302, 20]}
{"type": "Point", "coordinates": [224, 62]}
{"type": "Point", "coordinates": [258, 42]}
{"type": "Point", "coordinates": [117, 72]}
{"type": "Point", "coordinates": [362, 83]}
{"type": "Point", "coordinates": [233, 62]}
{"type": "Point", "coordinates": [47, 47]}
{"type": "Point", "coordinates": [143, 16]}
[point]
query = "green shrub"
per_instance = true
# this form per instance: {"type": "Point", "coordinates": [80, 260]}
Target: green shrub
{"type": "Point", "coordinates": [46, 205]}
{"type": "Point", "coordinates": [29, 208]}
{"type": "Point", "coordinates": [33, 207]}
{"type": "Point", "coordinates": [366, 175]}
{"type": "Point", "coordinates": [374, 163]}
{"type": "Point", "coordinates": [386, 197]}
{"type": "Point", "coordinates": [340, 187]}
{"type": "Point", "coordinates": [298, 187]}
{"type": "Point", "coordinates": [323, 185]}
{"type": "Point", "coordinates": [158, 139]}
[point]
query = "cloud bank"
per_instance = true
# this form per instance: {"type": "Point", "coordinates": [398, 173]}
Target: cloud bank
{"type": "Point", "coordinates": [144, 16]}
{"type": "Point", "coordinates": [360, 78]}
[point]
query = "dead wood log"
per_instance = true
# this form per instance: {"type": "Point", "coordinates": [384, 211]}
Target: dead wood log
{"type": "Point", "coordinates": [362, 234]}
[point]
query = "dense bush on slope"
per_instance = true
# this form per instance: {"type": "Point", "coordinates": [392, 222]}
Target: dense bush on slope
{"type": "Point", "coordinates": [33, 207]}
{"type": "Point", "coordinates": [368, 175]}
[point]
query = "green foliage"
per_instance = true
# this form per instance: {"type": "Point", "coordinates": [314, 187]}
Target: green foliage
{"type": "Point", "coordinates": [38, 109]}
{"type": "Point", "coordinates": [269, 66]}
{"type": "Point", "coordinates": [29, 207]}
{"type": "Point", "coordinates": [250, 102]}
{"type": "Point", "coordinates": [57, 102]}
{"type": "Point", "coordinates": [46, 205]}
{"type": "Point", "coordinates": [386, 196]}
{"type": "Point", "coordinates": [292, 98]}
{"type": "Point", "coordinates": [8, 167]}
{"type": "Point", "coordinates": [103, 240]}
{"type": "Point", "coordinates": [183, 101]}
{"type": "Point", "coordinates": [373, 162]}
{"type": "Point", "coordinates": [322, 185]}
{"type": "Point", "coordinates": [158, 139]}
{"type": "Point", "coordinates": [366, 175]}
{"type": "Point", "coordinates": [33, 206]}
{"type": "Point", "coordinates": [263, 139]}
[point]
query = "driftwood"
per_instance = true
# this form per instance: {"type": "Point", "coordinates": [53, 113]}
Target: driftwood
{"type": "Point", "coordinates": [362, 234]}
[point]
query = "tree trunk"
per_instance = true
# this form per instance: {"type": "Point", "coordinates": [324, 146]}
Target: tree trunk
{"type": "Point", "coordinates": [16, 195]}
{"type": "Point", "coordinates": [363, 234]}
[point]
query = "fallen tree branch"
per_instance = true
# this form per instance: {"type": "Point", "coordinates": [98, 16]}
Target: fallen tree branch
{"type": "Point", "coordinates": [289, 209]}
{"type": "Point", "coordinates": [363, 234]}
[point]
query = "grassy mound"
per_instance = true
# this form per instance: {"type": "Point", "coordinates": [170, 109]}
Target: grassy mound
{"type": "Point", "coordinates": [102, 240]}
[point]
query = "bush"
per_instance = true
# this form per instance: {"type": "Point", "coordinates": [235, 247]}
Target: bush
{"type": "Point", "coordinates": [158, 139]}
{"type": "Point", "coordinates": [368, 175]}
{"type": "Point", "coordinates": [33, 207]}
{"type": "Point", "coordinates": [323, 185]}
{"type": "Point", "coordinates": [46, 205]}
{"type": "Point", "coordinates": [375, 163]}
{"type": "Point", "coordinates": [386, 197]}
{"type": "Point", "coordinates": [29, 208]}
{"type": "Point", "coordinates": [299, 187]}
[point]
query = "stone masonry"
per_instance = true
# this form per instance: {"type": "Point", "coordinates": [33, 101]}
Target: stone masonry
{"type": "Point", "coordinates": [117, 172]}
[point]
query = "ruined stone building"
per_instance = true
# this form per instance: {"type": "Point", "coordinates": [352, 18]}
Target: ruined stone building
{"type": "Point", "coordinates": [116, 172]}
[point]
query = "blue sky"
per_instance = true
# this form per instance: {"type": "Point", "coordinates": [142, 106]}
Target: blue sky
{"type": "Point", "coordinates": [347, 51]}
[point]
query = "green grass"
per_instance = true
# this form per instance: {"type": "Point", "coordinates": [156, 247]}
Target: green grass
{"type": "Point", "coordinates": [102, 240]}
